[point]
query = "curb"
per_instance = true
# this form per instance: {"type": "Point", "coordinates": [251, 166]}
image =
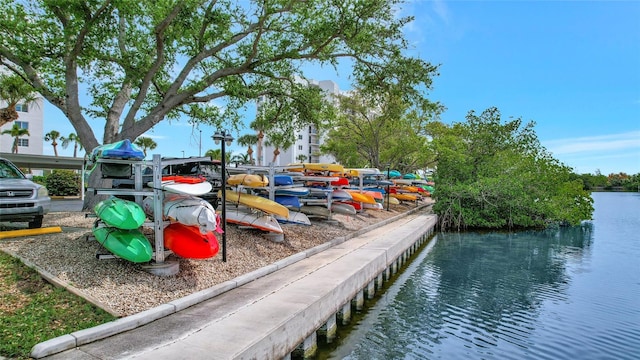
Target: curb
{"type": "Point", "coordinates": [85, 336]}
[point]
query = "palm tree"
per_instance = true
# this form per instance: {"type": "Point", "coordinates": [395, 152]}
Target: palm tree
{"type": "Point", "coordinates": [248, 140]}
{"type": "Point", "coordinates": [145, 143]}
{"type": "Point", "coordinates": [240, 159]}
{"type": "Point", "coordinates": [217, 155]}
{"type": "Point", "coordinates": [13, 90]}
{"type": "Point", "coordinates": [77, 145]}
{"type": "Point", "coordinates": [214, 154]}
{"type": "Point", "coordinates": [301, 158]}
{"type": "Point", "coordinates": [52, 136]}
{"type": "Point", "coordinates": [16, 132]}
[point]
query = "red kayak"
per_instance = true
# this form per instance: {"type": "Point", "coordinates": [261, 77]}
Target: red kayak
{"type": "Point", "coordinates": [186, 241]}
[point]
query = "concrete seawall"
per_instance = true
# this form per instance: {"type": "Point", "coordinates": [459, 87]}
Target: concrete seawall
{"type": "Point", "coordinates": [271, 315]}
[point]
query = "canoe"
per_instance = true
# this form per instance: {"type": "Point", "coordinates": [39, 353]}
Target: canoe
{"type": "Point", "coordinates": [280, 180]}
{"type": "Point", "coordinates": [122, 150]}
{"type": "Point", "coordinates": [316, 178]}
{"type": "Point", "coordinates": [393, 174]}
{"type": "Point", "coordinates": [186, 241]}
{"type": "Point", "coordinates": [316, 210]}
{"type": "Point", "coordinates": [295, 217]}
{"type": "Point", "coordinates": [360, 197]}
{"type": "Point", "coordinates": [343, 208]}
{"type": "Point", "coordinates": [288, 200]}
{"type": "Point", "coordinates": [187, 210]}
{"type": "Point", "coordinates": [356, 205]}
{"type": "Point", "coordinates": [362, 171]}
{"type": "Point", "coordinates": [256, 202]}
{"type": "Point", "coordinates": [250, 180]}
{"type": "Point", "coordinates": [391, 200]}
{"type": "Point", "coordinates": [341, 195]}
{"type": "Point", "coordinates": [342, 181]}
{"type": "Point", "coordinates": [297, 191]}
{"type": "Point", "coordinates": [304, 167]}
{"type": "Point", "coordinates": [376, 206]}
{"type": "Point", "coordinates": [255, 219]}
{"type": "Point", "coordinates": [376, 195]}
{"type": "Point", "coordinates": [404, 197]}
{"type": "Point", "coordinates": [183, 185]}
{"type": "Point", "coordinates": [130, 245]}
{"type": "Point", "coordinates": [120, 213]}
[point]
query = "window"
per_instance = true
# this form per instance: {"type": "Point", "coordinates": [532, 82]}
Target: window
{"type": "Point", "coordinates": [22, 108]}
{"type": "Point", "coordinates": [299, 136]}
{"type": "Point", "coordinates": [22, 124]}
{"type": "Point", "coordinates": [299, 147]}
{"type": "Point", "coordinates": [23, 142]}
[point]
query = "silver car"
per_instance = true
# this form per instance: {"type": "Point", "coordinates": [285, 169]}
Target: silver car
{"type": "Point", "coordinates": [21, 200]}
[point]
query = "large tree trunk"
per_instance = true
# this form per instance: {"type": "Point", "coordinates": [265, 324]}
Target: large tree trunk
{"type": "Point", "coordinates": [95, 182]}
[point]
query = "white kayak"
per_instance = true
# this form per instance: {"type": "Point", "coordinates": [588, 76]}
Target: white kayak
{"type": "Point", "coordinates": [295, 217]}
{"type": "Point", "coordinates": [187, 210]}
{"type": "Point", "coordinates": [255, 219]}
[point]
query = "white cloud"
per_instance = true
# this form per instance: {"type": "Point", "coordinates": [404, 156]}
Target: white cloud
{"type": "Point", "coordinates": [612, 142]}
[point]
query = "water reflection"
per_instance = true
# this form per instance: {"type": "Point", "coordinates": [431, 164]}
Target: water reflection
{"type": "Point", "coordinates": [474, 291]}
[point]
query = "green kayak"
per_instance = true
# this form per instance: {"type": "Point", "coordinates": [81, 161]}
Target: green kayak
{"type": "Point", "coordinates": [119, 213]}
{"type": "Point", "coordinates": [130, 245]}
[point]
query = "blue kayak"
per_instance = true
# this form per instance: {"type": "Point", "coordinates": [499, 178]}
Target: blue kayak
{"type": "Point", "coordinates": [122, 150]}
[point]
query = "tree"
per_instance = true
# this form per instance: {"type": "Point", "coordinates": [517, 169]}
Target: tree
{"type": "Point", "coordinates": [301, 158]}
{"type": "Point", "coordinates": [146, 61]}
{"type": "Point", "coordinates": [492, 174]}
{"type": "Point", "coordinates": [145, 143]}
{"type": "Point", "coordinates": [53, 136]}
{"type": "Point", "coordinates": [378, 129]}
{"type": "Point", "coordinates": [216, 154]}
{"type": "Point", "coordinates": [77, 145]}
{"type": "Point", "coordinates": [14, 90]}
{"type": "Point", "coordinates": [240, 159]}
{"type": "Point", "coordinates": [248, 140]}
{"type": "Point", "coordinates": [16, 132]}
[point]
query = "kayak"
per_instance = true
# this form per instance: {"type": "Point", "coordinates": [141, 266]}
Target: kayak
{"type": "Point", "coordinates": [186, 241]}
{"type": "Point", "coordinates": [130, 245]}
{"type": "Point", "coordinates": [120, 213]}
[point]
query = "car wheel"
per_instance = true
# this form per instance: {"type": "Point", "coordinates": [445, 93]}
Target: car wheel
{"type": "Point", "coordinates": [36, 223]}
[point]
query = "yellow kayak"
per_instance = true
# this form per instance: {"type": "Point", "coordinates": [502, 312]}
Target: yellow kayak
{"type": "Point", "coordinates": [316, 167]}
{"type": "Point", "coordinates": [405, 197]}
{"type": "Point", "coordinates": [251, 180]}
{"type": "Point", "coordinates": [360, 197]}
{"type": "Point", "coordinates": [255, 202]}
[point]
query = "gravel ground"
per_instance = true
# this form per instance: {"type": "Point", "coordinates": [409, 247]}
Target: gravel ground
{"type": "Point", "coordinates": [124, 288]}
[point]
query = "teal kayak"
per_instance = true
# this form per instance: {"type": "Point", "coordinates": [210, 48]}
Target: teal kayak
{"type": "Point", "coordinates": [120, 213]}
{"type": "Point", "coordinates": [130, 245]}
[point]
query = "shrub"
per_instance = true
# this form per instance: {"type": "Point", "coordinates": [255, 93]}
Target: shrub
{"type": "Point", "coordinates": [63, 183]}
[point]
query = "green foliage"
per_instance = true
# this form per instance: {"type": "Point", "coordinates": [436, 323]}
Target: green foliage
{"type": "Point", "coordinates": [63, 183]}
{"type": "Point", "coordinates": [497, 175]}
{"type": "Point", "coordinates": [145, 61]}
{"type": "Point", "coordinates": [376, 129]}
{"type": "Point", "coordinates": [615, 182]}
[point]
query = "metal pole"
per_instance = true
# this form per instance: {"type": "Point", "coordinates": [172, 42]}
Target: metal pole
{"type": "Point", "coordinates": [224, 198]}
{"type": "Point", "coordinates": [388, 179]}
{"type": "Point", "coordinates": [200, 145]}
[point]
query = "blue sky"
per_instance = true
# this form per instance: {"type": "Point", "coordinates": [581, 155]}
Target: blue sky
{"type": "Point", "coordinates": [573, 67]}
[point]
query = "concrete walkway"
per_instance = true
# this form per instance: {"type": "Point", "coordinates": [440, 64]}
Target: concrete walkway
{"type": "Point", "coordinates": [261, 317]}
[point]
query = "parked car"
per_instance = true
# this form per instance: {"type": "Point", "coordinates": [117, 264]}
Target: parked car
{"type": "Point", "coordinates": [209, 169]}
{"type": "Point", "coordinates": [21, 200]}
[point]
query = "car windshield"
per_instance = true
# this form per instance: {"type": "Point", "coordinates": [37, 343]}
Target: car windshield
{"type": "Point", "coordinates": [8, 171]}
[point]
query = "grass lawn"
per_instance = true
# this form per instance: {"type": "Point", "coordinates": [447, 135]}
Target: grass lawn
{"type": "Point", "coordinates": [32, 310]}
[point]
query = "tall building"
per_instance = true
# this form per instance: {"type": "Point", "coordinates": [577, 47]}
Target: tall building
{"type": "Point", "coordinates": [30, 117]}
{"type": "Point", "coordinates": [307, 145]}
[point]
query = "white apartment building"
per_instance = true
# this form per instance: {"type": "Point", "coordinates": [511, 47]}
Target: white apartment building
{"type": "Point", "coordinates": [308, 140]}
{"type": "Point", "coordinates": [30, 117]}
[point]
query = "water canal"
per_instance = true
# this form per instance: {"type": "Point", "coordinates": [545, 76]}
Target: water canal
{"type": "Point", "coordinates": [569, 293]}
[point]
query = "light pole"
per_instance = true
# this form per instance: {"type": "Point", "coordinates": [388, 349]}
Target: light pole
{"type": "Point", "coordinates": [200, 145]}
{"type": "Point", "coordinates": [388, 180]}
{"type": "Point", "coordinates": [182, 153]}
{"type": "Point", "coordinates": [223, 137]}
